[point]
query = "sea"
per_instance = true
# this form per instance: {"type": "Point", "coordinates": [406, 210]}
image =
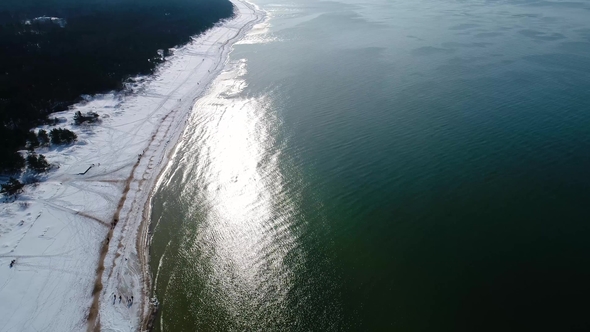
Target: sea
{"type": "Point", "coordinates": [384, 165]}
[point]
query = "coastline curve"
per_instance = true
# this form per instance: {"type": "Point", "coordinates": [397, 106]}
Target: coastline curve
{"type": "Point", "coordinates": [124, 266]}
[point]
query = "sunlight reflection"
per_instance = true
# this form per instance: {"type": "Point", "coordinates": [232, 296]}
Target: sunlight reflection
{"type": "Point", "coordinates": [243, 238]}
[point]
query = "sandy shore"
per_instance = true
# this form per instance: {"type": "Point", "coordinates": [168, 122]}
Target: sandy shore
{"type": "Point", "coordinates": [71, 260]}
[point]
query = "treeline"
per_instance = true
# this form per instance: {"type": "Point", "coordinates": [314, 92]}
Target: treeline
{"type": "Point", "coordinates": [46, 65]}
{"type": "Point", "coordinates": [33, 162]}
{"type": "Point", "coordinates": [56, 136]}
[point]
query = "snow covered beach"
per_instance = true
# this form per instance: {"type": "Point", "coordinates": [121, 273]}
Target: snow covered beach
{"type": "Point", "coordinates": [79, 240]}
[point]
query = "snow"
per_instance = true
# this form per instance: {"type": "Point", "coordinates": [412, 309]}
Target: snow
{"type": "Point", "coordinates": [46, 19]}
{"type": "Point", "coordinates": [56, 229]}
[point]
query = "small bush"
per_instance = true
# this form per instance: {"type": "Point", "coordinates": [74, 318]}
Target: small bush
{"type": "Point", "coordinates": [32, 140]}
{"type": "Point", "coordinates": [12, 187]}
{"type": "Point", "coordinates": [37, 163]}
{"type": "Point", "coordinates": [62, 136]}
{"type": "Point", "coordinates": [43, 137]}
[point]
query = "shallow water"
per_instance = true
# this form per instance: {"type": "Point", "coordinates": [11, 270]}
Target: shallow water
{"type": "Point", "coordinates": [400, 165]}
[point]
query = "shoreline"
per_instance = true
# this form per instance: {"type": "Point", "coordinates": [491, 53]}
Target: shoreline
{"type": "Point", "coordinates": [81, 238]}
{"type": "Point", "coordinates": [250, 15]}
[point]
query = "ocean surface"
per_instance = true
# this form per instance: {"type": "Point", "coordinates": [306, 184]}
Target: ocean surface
{"type": "Point", "coordinates": [386, 166]}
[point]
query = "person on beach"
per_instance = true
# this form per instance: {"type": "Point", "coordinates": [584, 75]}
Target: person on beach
{"type": "Point", "coordinates": [119, 298]}
{"type": "Point", "coordinates": [12, 263]}
{"type": "Point", "coordinates": [114, 298]}
{"type": "Point", "coordinates": [131, 299]}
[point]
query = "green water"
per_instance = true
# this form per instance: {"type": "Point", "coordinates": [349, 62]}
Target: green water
{"type": "Point", "coordinates": [386, 166]}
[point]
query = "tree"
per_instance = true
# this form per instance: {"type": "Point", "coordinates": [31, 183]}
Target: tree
{"type": "Point", "coordinates": [55, 136]}
{"type": "Point", "coordinates": [12, 187]}
{"type": "Point", "coordinates": [11, 162]}
{"type": "Point", "coordinates": [43, 138]}
{"type": "Point", "coordinates": [37, 163]}
{"type": "Point", "coordinates": [32, 140]}
{"type": "Point", "coordinates": [62, 136]}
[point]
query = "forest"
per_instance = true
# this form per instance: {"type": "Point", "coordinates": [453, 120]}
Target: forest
{"type": "Point", "coordinates": [54, 51]}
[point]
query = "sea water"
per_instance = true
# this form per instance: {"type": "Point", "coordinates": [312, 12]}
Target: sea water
{"type": "Point", "coordinates": [385, 166]}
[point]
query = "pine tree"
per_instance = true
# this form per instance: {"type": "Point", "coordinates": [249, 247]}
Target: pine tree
{"type": "Point", "coordinates": [32, 140]}
{"type": "Point", "coordinates": [62, 136]}
{"type": "Point", "coordinates": [43, 137]}
{"type": "Point", "coordinates": [12, 187]}
{"type": "Point", "coordinates": [37, 163]}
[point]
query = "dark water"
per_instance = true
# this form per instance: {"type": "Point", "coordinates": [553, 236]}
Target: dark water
{"type": "Point", "coordinates": [386, 165]}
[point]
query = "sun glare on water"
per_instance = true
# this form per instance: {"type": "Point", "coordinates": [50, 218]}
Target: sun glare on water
{"type": "Point", "coordinates": [243, 235]}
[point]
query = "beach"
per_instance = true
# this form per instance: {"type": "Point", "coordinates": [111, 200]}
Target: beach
{"type": "Point", "coordinates": [80, 235]}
